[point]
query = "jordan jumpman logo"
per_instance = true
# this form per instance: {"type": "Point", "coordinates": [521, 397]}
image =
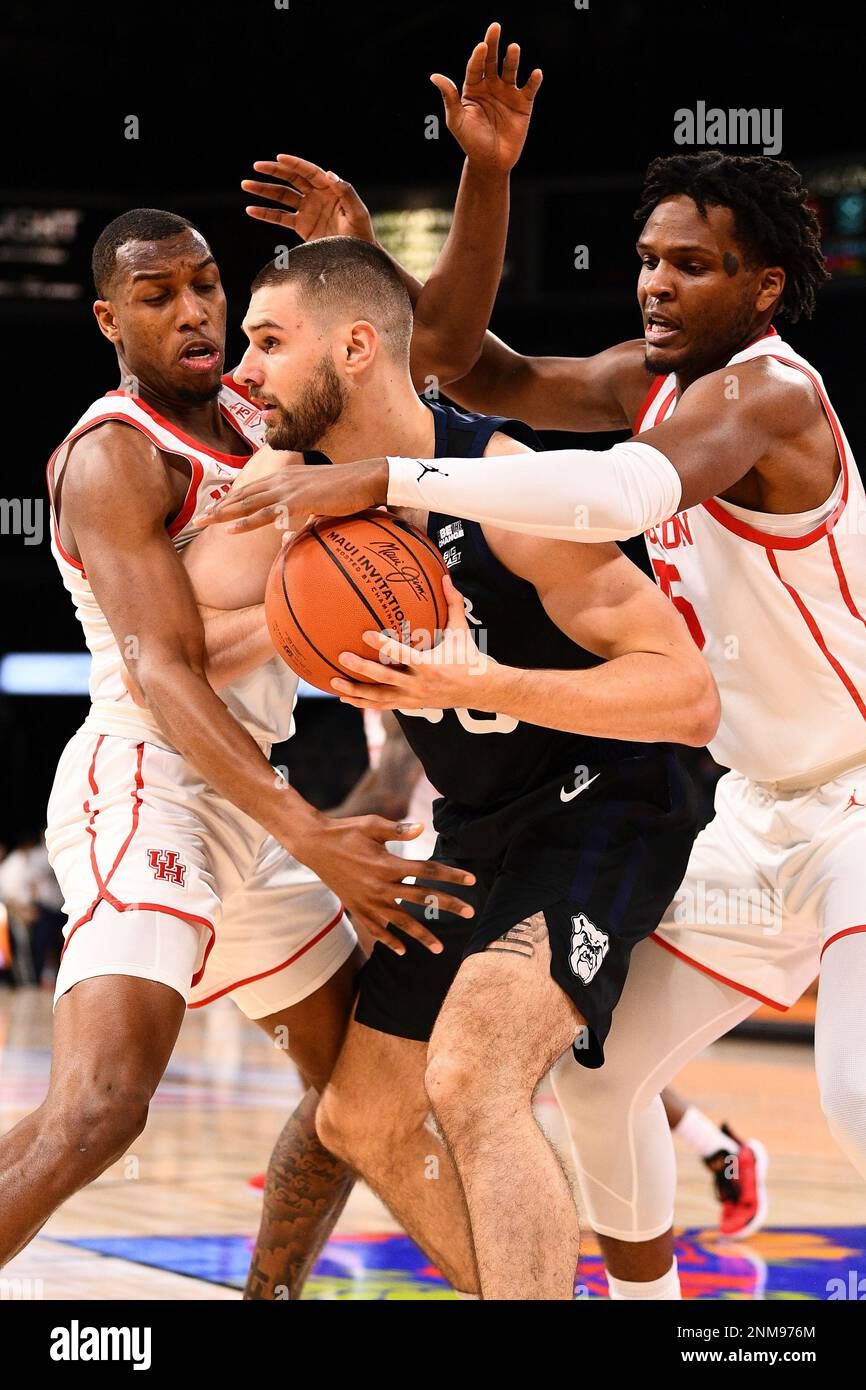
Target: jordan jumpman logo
{"type": "Point", "coordinates": [428, 468]}
{"type": "Point", "coordinates": [852, 801]}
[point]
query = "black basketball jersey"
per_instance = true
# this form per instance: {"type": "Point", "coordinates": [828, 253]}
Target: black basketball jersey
{"type": "Point", "coordinates": [473, 758]}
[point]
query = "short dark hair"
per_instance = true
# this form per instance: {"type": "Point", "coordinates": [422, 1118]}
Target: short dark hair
{"type": "Point", "coordinates": [773, 221]}
{"type": "Point", "coordinates": [139, 224]}
{"type": "Point", "coordinates": [342, 274]}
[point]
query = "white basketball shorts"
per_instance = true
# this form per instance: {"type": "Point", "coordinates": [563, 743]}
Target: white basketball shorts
{"type": "Point", "coordinates": [773, 880]}
{"type": "Point", "coordinates": [132, 830]}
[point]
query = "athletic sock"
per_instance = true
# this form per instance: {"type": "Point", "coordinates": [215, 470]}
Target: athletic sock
{"type": "Point", "coordinates": [475, 1296]}
{"type": "Point", "coordinates": [667, 1287]}
{"type": "Point", "coordinates": [699, 1133]}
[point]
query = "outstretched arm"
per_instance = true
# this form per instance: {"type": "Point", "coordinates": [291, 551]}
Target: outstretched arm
{"type": "Point", "coordinates": [756, 416]}
{"type": "Point", "coordinates": [453, 308]}
{"type": "Point", "coordinates": [489, 120]}
{"type": "Point", "coordinates": [652, 684]}
{"type": "Point", "coordinates": [773, 424]}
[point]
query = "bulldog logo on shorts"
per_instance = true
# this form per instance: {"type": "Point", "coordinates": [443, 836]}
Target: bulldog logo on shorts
{"type": "Point", "coordinates": [589, 946]}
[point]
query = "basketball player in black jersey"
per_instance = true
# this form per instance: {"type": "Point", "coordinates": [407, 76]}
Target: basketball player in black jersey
{"type": "Point", "coordinates": [577, 833]}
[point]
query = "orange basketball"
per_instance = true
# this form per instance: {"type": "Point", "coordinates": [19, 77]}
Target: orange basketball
{"type": "Point", "coordinates": [342, 576]}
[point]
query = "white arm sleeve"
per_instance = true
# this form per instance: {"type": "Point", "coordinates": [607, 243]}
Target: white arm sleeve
{"type": "Point", "coordinates": [566, 494]}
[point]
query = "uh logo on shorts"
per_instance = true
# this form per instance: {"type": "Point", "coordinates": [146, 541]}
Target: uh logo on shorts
{"type": "Point", "coordinates": [589, 946]}
{"type": "Point", "coordinates": [167, 865]}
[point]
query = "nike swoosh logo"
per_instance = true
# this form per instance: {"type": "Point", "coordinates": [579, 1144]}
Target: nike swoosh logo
{"type": "Point", "coordinates": [569, 796]}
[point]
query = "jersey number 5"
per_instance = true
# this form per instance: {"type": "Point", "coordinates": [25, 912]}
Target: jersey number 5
{"type": "Point", "coordinates": [668, 575]}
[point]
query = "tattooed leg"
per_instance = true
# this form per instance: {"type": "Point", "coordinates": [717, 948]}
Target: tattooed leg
{"type": "Point", "coordinates": [306, 1187]}
{"type": "Point", "coordinates": [305, 1191]}
{"type": "Point", "coordinates": [503, 1025]}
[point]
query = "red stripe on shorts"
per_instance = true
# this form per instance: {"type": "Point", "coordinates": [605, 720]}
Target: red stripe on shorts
{"type": "Point", "coordinates": [102, 894]}
{"type": "Point", "coordinates": [274, 969]}
{"type": "Point", "coordinates": [723, 979]}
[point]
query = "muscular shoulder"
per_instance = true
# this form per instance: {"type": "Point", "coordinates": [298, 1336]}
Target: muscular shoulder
{"type": "Point", "coordinates": [548, 564]}
{"type": "Point", "coordinates": [112, 446]}
{"type": "Point", "coordinates": [116, 464]}
{"type": "Point", "coordinates": [782, 398]}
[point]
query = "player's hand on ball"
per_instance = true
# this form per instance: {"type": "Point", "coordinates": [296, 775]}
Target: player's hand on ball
{"type": "Point", "coordinates": [350, 856]}
{"type": "Point", "coordinates": [449, 675]}
{"type": "Point", "coordinates": [311, 201]}
{"type": "Point", "coordinates": [296, 491]}
{"type": "Point", "coordinates": [490, 118]}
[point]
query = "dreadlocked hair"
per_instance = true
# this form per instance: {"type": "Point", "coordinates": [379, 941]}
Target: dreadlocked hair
{"type": "Point", "coordinates": [773, 221]}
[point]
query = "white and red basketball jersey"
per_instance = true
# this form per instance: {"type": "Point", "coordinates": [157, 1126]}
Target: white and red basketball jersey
{"type": "Point", "coordinates": [264, 700]}
{"type": "Point", "coordinates": [776, 604]}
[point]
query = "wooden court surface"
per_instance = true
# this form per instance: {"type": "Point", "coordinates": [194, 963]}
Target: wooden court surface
{"type": "Point", "coordinates": [182, 1194]}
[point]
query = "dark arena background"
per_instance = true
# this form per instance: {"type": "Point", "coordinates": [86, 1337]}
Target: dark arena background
{"type": "Point", "coordinates": [106, 107]}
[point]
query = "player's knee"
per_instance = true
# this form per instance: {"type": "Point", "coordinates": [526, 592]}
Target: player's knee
{"type": "Point", "coordinates": [95, 1122]}
{"type": "Point", "coordinates": [335, 1125]}
{"type": "Point", "coordinates": [362, 1130]}
{"type": "Point", "coordinates": [455, 1084]}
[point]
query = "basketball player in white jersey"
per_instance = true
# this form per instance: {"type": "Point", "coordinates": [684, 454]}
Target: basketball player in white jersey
{"type": "Point", "coordinates": [740, 475]}
{"type": "Point", "coordinates": [171, 835]}
{"type": "Point", "coordinates": [149, 458]}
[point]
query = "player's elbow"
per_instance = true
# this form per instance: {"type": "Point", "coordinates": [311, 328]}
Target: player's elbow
{"type": "Point", "coordinates": [438, 360]}
{"type": "Point", "coordinates": [159, 676]}
{"type": "Point", "coordinates": [701, 708]}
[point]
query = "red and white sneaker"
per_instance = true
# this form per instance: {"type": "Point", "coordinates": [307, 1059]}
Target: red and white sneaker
{"type": "Point", "coordinates": [740, 1180]}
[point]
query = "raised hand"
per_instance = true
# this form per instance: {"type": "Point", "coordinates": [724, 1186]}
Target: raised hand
{"type": "Point", "coordinates": [490, 118]}
{"type": "Point", "coordinates": [312, 202]}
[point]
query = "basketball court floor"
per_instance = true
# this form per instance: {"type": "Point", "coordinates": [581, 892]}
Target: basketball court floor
{"type": "Point", "coordinates": [175, 1218]}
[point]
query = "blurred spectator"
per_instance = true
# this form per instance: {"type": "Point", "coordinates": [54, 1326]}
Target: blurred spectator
{"type": "Point", "coordinates": [32, 901]}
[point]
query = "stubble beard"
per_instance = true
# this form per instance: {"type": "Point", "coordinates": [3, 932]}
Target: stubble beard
{"type": "Point", "coordinates": [318, 408]}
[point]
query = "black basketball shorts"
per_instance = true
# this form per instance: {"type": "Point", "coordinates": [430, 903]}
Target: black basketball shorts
{"type": "Point", "coordinates": [601, 863]}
